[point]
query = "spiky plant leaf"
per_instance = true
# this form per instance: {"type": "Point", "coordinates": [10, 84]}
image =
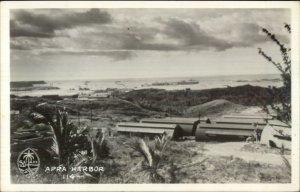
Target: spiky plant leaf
{"type": "Point", "coordinates": [145, 151]}
{"type": "Point", "coordinates": [98, 145]}
{"type": "Point", "coordinates": [54, 146]}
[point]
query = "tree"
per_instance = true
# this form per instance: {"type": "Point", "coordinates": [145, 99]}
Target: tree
{"type": "Point", "coordinates": [67, 138]}
{"type": "Point", "coordinates": [281, 100]}
{"type": "Point", "coordinates": [73, 146]}
{"type": "Point", "coordinates": [57, 119]}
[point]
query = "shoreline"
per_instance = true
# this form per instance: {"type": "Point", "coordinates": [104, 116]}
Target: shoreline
{"type": "Point", "coordinates": [141, 78]}
{"type": "Point", "coordinates": [93, 87]}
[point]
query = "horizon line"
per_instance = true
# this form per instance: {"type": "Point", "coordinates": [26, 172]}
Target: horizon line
{"type": "Point", "coordinates": [95, 79]}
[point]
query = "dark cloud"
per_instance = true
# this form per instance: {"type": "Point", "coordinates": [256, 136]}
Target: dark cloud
{"type": "Point", "coordinates": [17, 30]}
{"type": "Point", "coordinates": [30, 24]}
{"type": "Point", "coordinates": [178, 34]}
{"type": "Point", "coordinates": [133, 42]}
{"type": "Point", "coordinates": [192, 36]}
{"type": "Point", "coordinates": [130, 38]}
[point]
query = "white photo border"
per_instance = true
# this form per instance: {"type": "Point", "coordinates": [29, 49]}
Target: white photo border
{"type": "Point", "coordinates": [5, 93]}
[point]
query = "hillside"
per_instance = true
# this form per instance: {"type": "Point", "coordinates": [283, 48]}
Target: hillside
{"type": "Point", "coordinates": [214, 108]}
{"type": "Point", "coordinates": [178, 101]}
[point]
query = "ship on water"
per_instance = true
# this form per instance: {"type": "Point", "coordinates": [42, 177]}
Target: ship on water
{"type": "Point", "coordinates": [184, 82]}
{"type": "Point", "coordinates": [189, 82]}
{"type": "Point", "coordinates": [162, 84]}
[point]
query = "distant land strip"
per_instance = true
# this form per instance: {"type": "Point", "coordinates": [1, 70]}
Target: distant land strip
{"type": "Point", "coordinates": [19, 84]}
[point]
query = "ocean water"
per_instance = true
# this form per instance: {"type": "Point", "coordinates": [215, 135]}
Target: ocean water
{"type": "Point", "coordinates": [69, 87]}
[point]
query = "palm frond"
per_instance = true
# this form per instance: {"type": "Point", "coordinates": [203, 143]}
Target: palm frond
{"type": "Point", "coordinates": [92, 142]}
{"type": "Point", "coordinates": [98, 145]}
{"type": "Point", "coordinates": [153, 155]}
{"type": "Point", "coordinates": [54, 147]}
{"type": "Point", "coordinates": [160, 144]}
{"type": "Point", "coordinates": [141, 146]}
{"type": "Point", "coordinates": [160, 141]}
{"type": "Point", "coordinates": [146, 152]}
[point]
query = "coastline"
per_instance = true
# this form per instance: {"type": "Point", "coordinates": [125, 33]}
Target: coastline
{"type": "Point", "coordinates": [90, 87]}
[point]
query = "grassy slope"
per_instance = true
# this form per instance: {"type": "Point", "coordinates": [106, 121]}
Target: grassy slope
{"type": "Point", "coordinates": [216, 108]}
{"type": "Point", "coordinates": [123, 167]}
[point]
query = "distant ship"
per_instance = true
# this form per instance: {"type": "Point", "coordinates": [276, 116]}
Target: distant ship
{"type": "Point", "coordinates": [184, 82]}
{"type": "Point", "coordinates": [83, 88]}
{"type": "Point", "coordinates": [189, 82]}
{"type": "Point", "coordinates": [161, 84]}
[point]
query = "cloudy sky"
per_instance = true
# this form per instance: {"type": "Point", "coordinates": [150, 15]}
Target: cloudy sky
{"type": "Point", "coordinates": [62, 44]}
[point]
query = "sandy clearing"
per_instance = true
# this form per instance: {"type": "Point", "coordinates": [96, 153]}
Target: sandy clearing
{"type": "Point", "coordinates": [253, 110]}
{"type": "Point", "coordinates": [234, 149]}
{"type": "Point", "coordinates": [215, 108]}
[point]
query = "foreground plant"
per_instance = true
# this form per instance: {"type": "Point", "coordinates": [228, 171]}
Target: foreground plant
{"type": "Point", "coordinates": [57, 120]}
{"type": "Point", "coordinates": [98, 145]}
{"type": "Point", "coordinates": [73, 146]}
{"type": "Point", "coordinates": [152, 156]}
{"type": "Point", "coordinates": [281, 97]}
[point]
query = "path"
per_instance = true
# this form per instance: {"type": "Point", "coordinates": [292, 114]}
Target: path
{"type": "Point", "coordinates": [234, 149]}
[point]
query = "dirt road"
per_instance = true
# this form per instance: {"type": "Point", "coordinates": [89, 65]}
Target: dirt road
{"type": "Point", "coordinates": [234, 149]}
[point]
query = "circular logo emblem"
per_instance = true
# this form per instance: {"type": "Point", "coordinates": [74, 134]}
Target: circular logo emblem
{"type": "Point", "coordinates": [28, 162]}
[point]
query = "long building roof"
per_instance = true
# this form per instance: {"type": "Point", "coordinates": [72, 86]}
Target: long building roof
{"type": "Point", "coordinates": [241, 121]}
{"type": "Point", "coordinates": [248, 116]}
{"type": "Point", "coordinates": [147, 125]}
{"type": "Point", "coordinates": [172, 120]}
{"type": "Point", "coordinates": [225, 126]}
{"type": "Point", "coordinates": [145, 130]}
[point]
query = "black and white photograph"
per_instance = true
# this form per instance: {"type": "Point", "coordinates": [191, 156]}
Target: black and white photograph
{"type": "Point", "coordinates": [152, 95]}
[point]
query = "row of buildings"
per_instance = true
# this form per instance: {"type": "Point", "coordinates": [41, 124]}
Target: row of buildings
{"type": "Point", "coordinates": [270, 131]}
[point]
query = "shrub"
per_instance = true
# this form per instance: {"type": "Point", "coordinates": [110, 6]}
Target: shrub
{"type": "Point", "coordinates": [280, 101]}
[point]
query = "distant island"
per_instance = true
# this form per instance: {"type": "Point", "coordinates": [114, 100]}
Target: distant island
{"type": "Point", "coordinates": [18, 84]}
{"type": "Point", "coordinates": [30, 86]}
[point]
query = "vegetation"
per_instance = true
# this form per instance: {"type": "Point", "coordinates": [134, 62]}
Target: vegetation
{"type": "Point", "coordinates": [153, 156]}
{"type": "Point", "coordinates": [280, 101]}
{"type": "Point", "coordinates": [73, 146]}
{"type": "Point", "coordinates": [175, 102]}
{"type": "Point", "coordinates": [178, 165]}
{"type": "Point", "coordinates": [153, 102]}
{"type": "Point", "coordinates": [99, 145]}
